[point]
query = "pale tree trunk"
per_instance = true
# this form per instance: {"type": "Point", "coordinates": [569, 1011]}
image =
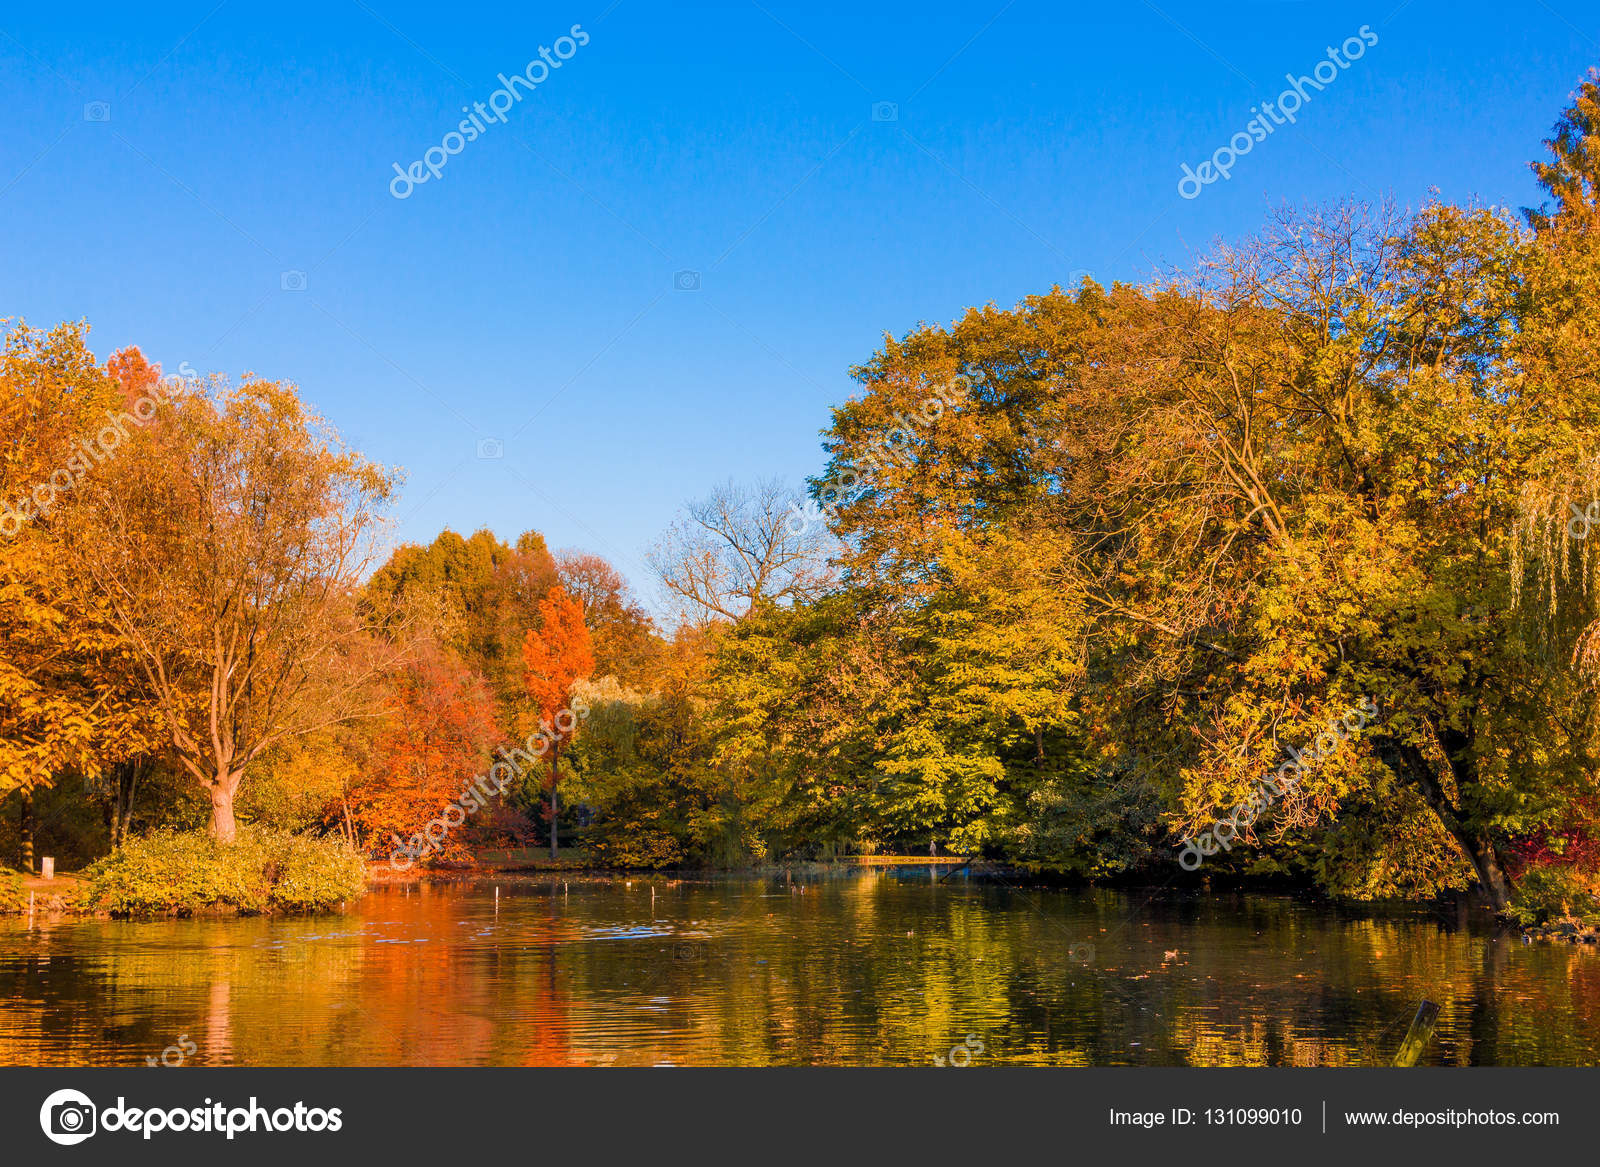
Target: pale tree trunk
{"type": "Point", "coordinates": [223, 787]}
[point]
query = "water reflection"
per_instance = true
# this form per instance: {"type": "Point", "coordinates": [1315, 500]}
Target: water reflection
{"type": "Point", "coordinates": [867, 969]}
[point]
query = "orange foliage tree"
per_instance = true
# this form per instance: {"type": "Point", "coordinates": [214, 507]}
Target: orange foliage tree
{"type": "Point", "coordinates": [555, 656]}
{"type": "Point", "coordinates": [70, 697]}
{"type": "Point", "coordinates": [439, 732]}
{"type": "Point", "coordinates": [226, 543]}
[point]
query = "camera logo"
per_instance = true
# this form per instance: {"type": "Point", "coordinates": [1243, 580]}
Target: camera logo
{"type": "Point", "coordinates": [489, 448]}
{"type": "Point", "coordinates": [885, 111]}
{"type": "Point", "coordinates": [67, 1117]}
{"type": "Point", "coordinates": [292, 281]}
{"type": "Point", "coordinates": [97, 111]}
{"type": "Point", "coordinates": [686, 281]}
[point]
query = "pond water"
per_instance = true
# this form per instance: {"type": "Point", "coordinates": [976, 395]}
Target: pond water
{"type": "Point", "coordinates": [864, 968]}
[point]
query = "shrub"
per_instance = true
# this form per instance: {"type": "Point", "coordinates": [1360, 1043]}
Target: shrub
{"type": "Point", "coordinates": [168, 872]}
{"type": "Point", "coordinates": [12, 897]}
{"type": "Point", "coordinates": [644, 848]}
{"type": "Point", "coordinates": [1553, 893]}
{"type": "Point", "coordinates": [315, 873]}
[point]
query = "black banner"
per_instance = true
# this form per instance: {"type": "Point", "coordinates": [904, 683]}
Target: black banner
{"type": "Point", "coordinates": [726, 1115]}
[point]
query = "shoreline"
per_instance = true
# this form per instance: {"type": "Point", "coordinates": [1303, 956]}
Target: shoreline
{"type": "Point", "coordinates": [59, 897]}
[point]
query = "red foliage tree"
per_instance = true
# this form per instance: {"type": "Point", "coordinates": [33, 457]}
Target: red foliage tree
{"type": "Point", "coordinates": [438, 736]}
{"type": "Point", "coordinates": [1573, 841]}
{"type": "Point", "coordinates": [555, 656]}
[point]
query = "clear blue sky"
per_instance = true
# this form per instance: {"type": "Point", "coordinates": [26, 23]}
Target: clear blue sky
{"type": "Point", "coordinates": [527, 294]}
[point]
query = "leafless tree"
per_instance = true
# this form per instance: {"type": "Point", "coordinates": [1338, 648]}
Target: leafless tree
{"type": "Point", "coordinates": [741, 544]}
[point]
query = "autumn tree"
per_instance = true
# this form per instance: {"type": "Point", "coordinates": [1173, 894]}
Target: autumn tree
{"type": "Point", "coordinates": [1257, 493]}
{"type": "Point", "coordinates": [494, 590]}
{"type": "Point", "coordinates": [555, 655]}
{"type": "Point", "coordinates": [436, 734]}
{"type": "Point", "coordinates": [226, 543]}
{"type": "Point", "coordinates": [1571, 175]}
{"type": "Point", "coordinates": [625, 643]}
{"type": "Point", "coordinates": [70, 700]}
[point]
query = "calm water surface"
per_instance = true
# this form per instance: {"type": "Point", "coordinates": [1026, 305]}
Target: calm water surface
{"type": "Point", "coordinates": [859, 969]}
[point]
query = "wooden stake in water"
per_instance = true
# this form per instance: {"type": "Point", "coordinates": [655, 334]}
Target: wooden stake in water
{"type": "Point", "coordinates": [30, 909]}
{"type": "Point", "coordinates": [497, 899]}
{"type": "Point", "coordinates": [1418, 1035]}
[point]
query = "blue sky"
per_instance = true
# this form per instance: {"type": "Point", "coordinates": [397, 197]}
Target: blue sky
{"type": "Point", "coordinates": [528, 294]}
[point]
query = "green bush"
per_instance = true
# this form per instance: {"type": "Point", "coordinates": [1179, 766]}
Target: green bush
{"type": "Point", "coordinates": [1554, 893]}
{"type": "Point", "coordinates": [12, 897]}
{"type": "Point", "coordinates": [262, 870]}
{"type": "Point", "coordinates": [315, 873]}
{"type": "Point", "coordinates": [639, 848]}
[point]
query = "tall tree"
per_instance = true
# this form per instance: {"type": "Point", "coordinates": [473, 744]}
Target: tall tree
{"type": "Point", "coordinates": [1571, 176]}
{"type": "Point", "coordinates": [1264, 492]}
{"type": "Point", "coordinates": [66, 704]}
{"type": "Point", "coordinates": [555, 656]}
{"type": "Point", "coordinates": [493, 589]}
{"type": "Point", "coordinates": [625, 643]}
{"type": "Point", "coordinates": [226, 543]}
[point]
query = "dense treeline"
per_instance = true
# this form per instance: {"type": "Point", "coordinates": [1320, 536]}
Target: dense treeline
{"type": "Point", "coordinates": [1093, 585]}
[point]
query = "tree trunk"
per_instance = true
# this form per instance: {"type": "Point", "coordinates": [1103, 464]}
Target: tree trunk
{"type": "Point", "coordinates": [223, 828]}
{"type": "Point", "coordinates": [25, 830]}
{"type": "Point", "coordinates": [119, 823]}
{"type": "Point", "coordinates": [1476, 846]}
{"type": "Point", "coordinates": [125, 784]}
{"type": "Point", "coordinates": [555, 754]}
{"type": "Point", "coordinates": [1491, 873]}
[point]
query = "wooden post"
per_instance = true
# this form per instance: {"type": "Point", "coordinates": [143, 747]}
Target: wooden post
{"type": "Point", "coordinates": [1418, 1036]}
